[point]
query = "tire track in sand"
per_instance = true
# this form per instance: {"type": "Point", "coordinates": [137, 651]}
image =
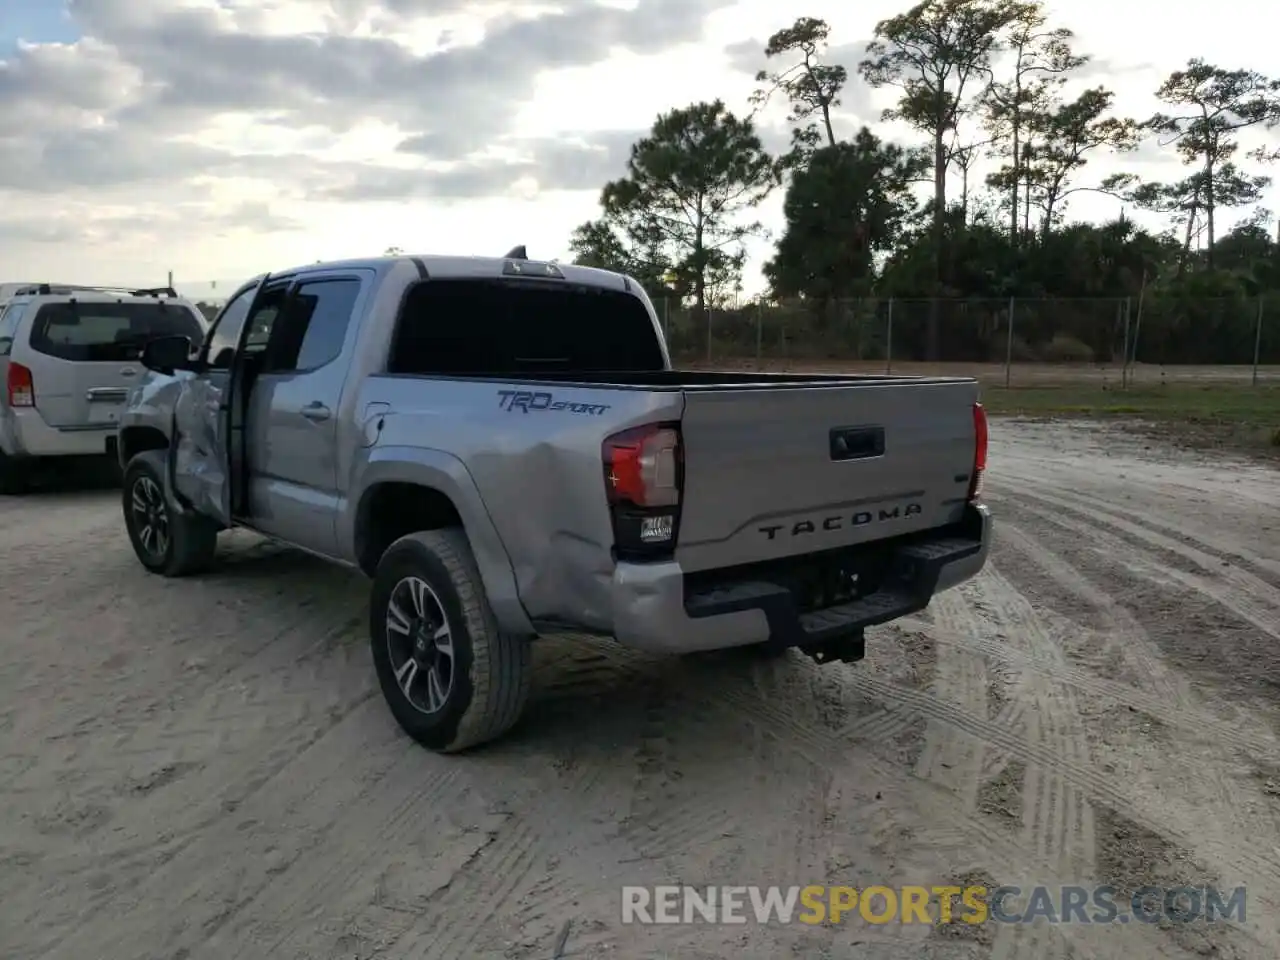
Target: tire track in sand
{"type": "Point", "coordinates": [1240, 811]}
{"type": "Point", "coordinates": [951, 758]}
{"type": "Point", "coordinates": [690, 811]}
{"type": "Point", "coordinates": [520, 885]}
{"type": "Point", "coordinates": [1125, 637]}
{"type": "Point", "coordinates": [1150, 516]}
{"type": "Point", "coordinates": [1256, 739]}
{"type": "Point", "coordinates": [1056, 820]}
{"type": "Point", "coordinates": [930, 813]}
{"type": "Point", "coordinates": [1244, 594]}
{"type": "Point", "coordinates": [377, 854]}
{"type": "Point", "coordinates": [1095, 785]}
{"type": "Point", "coordinates": [189, 897]}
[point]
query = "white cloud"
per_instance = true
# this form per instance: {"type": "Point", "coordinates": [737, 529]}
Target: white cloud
{"type": "Point", "coordinates": [219, 138]}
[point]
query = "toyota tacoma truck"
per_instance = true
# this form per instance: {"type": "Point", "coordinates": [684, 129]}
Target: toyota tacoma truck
{"type": "Point", "coordinates": [503, 446]}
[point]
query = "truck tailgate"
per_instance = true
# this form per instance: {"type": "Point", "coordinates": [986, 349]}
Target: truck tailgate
{"type": "Point", "coordinates": [779, 471]}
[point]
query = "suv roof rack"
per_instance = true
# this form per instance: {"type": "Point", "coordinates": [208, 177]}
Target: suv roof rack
{"type": "Point", "coordinates": [58, 289]}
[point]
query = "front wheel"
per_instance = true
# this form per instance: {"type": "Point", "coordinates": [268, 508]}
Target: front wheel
{"type": "Point", "coordinates": [166, 540]}
{"type": "Point", "coordinates": [450, 677]}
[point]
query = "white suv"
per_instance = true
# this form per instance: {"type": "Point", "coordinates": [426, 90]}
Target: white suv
{"type": "Point", "coordinates": [68, 358]}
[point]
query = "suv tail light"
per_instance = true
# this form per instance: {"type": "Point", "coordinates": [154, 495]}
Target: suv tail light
{"type": "Point", "coordinates": [979, 451]}
{"type": "Point", "coordinates": [20, 388]}
{"type": "Point", "coordinates": [643, 480]}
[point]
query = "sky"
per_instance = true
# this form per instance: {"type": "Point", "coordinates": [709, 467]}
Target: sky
{"type": "Point", "coordinates": [216, 139]}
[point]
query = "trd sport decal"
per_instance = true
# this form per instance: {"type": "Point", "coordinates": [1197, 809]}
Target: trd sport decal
{"type": "Point", "coordinates": [528, 402]}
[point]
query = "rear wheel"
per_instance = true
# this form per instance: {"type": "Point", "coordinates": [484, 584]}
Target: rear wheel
{"type": "Point", "coordinates": [450, 677]}
{"type": "Point", "coordinates": [167, 541]}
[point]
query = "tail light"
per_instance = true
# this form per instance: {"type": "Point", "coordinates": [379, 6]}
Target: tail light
{"type": "Point", "coordinates": [643, 480]}
{"type": "Point", "coordinates": [19, 386]}
{"type": "Point", "coordinates": [979, 451]}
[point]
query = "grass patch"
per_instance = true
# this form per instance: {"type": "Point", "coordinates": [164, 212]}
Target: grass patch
{"type": "Point", "coordinates": [1225, 402]}
{"type": "Point", "coordinates": [1201, 414]}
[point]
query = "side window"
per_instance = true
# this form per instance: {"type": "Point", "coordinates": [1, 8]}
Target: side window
{"type": "Point", "coordinates": [314, 324]}
{"type": "Point", "coordinates": [263, 321]}
{"type": "Point", "coordinates": [9, 326]}
{"type": "Point", "coordinates": [220, 345]}
{"type": "Point", "coordinates": [225, 335]}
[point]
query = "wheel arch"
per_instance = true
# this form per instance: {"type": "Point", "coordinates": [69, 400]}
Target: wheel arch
{"type": "Point", "coordinates": [407, 489]}
{"type": "Point", "coordinates": [133, 440]}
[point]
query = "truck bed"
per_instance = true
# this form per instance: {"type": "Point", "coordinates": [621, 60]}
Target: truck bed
{"type": "Point", "coordinates": [774, 465]}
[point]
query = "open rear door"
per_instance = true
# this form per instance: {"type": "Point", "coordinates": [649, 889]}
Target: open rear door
{"type": "Point", "coordinates": [203, 473]}
{"type": "Point", "coordinates": [201, 465]}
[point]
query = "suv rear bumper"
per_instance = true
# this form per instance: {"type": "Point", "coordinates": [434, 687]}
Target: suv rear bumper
{"type": "Point", "coordinates": [23, 433]}
{"type": "Point", "coordinates": [652, 613]}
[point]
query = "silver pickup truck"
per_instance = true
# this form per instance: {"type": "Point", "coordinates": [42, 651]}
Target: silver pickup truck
{"type": "Point", "coordinates": [503, 446]}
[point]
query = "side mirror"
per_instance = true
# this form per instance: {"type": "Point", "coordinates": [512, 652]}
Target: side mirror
{"type": "Point", "coordinates": [167, 354]}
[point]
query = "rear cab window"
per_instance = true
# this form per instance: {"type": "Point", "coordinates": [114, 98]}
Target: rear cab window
{"type": "Point", "coordinates": [110, 330]}
{"type": "Point", "coordinates": [491, 327]}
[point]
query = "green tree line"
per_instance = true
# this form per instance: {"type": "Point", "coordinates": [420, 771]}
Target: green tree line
{"type": "Point", "coordinates": [867, 220]}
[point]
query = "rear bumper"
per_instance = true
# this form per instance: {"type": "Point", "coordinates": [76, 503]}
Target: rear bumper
{"type": "Point", "coordinates": [24, 433]}
{"type": "Point", "coordinates": [651, 611]}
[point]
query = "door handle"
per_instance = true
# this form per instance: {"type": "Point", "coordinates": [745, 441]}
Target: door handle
{"type": "Point", "coordinates": [856, 443]}
{"type": "Point", "coordinates": [315, 411]}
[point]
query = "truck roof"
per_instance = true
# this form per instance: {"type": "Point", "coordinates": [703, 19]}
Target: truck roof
{"type": "Point", "coordinates": [443, 265]}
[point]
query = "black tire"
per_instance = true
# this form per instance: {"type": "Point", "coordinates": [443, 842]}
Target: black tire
{"type": "Point", "coordinates": [179, 543]}
{"type": "Point", "coordinates": [488, 672]}
{"type": "Point", "coordinates": [15, 476]}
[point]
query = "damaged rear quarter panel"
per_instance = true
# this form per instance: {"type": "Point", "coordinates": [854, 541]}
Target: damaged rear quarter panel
{"type": "Point", "coordinates": [534, 453]}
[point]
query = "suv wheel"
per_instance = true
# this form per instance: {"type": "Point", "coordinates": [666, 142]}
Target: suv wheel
{"type": "Point", "coordinates": [167, 540]}
{"type": "Point", "coordinates": [451, 679]}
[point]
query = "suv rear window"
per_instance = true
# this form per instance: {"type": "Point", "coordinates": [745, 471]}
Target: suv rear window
{"type": "Point", "coordinates": [86, 331]}
{"type": "Point", "coordinates": [501, 327]}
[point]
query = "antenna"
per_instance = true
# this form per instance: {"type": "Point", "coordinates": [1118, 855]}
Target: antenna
{"type": "Point", "coordinates": [517, 253]}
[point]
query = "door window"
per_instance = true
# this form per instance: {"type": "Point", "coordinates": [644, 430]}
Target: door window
{"type": "Point", "coordinates": [313, 324]}
{"type": "Point", "coordinates": [224, 335]}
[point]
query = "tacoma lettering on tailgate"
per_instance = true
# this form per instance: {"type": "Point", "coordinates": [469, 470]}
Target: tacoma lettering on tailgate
{"type": "Point", "coordinates": [838, 521]}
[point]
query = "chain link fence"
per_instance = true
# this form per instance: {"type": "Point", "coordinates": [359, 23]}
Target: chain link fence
{"type": "Point", "coordinates": [1007, 341]}
{"type": "Point", "coordinates": [1010, 341]}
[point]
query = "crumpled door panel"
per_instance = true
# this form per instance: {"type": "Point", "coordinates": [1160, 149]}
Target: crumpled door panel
{"type": "Point", "coordinates": [200, 461]}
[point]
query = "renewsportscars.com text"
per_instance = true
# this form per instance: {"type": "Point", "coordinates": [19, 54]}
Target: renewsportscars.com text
{"type": "Point", "coordinates": [945, 904]}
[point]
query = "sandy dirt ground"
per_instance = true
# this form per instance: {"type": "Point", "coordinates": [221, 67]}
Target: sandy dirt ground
{"type": "Point", "coordinates": [203, 768]}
